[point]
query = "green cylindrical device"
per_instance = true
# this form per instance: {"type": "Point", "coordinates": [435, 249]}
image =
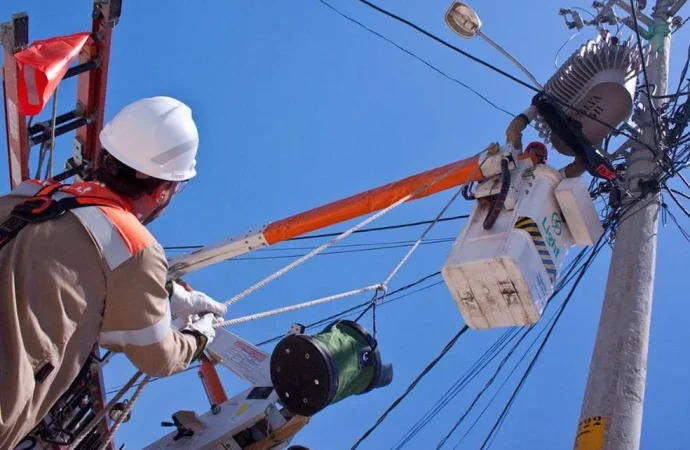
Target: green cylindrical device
{"type": "Point", "coordinates": [312, 372]}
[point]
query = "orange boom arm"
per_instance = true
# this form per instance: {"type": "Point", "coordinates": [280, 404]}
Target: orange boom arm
{"type": "Point", "coordinates": [373, 200]}
{"type": "Point", "coordinates": [420, 185]}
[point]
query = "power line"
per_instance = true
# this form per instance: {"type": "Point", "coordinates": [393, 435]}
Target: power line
{"type": "Point", "coordinates": [447, 44]}
{"type": "Point", "coordinates": [677, 202]}
{"type": "Point", "coordinates": [458, 386]}
{"type": "Point", "coordinates": [327, 319]}
{"type": "Point", "coordinates": [481, 414]}
{"type": "Point", "coordinates": [655, 116]}
{"type": "Point", "coordinates": [564, 281]}
{"type": "Point", "coordinates": [558, 315]}
{"type": "Point", "coordinates": [420, 59]}
{"type": "Point", "coordinates": [505, 359]}
{"type": "Point", "coordinates": [341, 252]}
{"type": "Point", "coordinates": [411, 387]}
{"type": "Point", "coordinates": [568, 273]}
{"type": "Point", "coordinates": [682, 230]}
{"type": "Point", "coordinates": [325, 235]}
{"type": "Point", "coordinates": [682, 194]}
{"type": "Point", "coordinates": [385, 228]}
{"type": "Point", "coordinates": [502, 72]}
{"type": "Point", "coordinates": [360, 245]}
{"type": "Point", "coordinates": [363, 305]}
{"type": "Point", "coordinates": [117, 389]}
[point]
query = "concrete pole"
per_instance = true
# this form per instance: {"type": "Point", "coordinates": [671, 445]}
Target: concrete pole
{"type": "Point", "coordinates": [611, 416]}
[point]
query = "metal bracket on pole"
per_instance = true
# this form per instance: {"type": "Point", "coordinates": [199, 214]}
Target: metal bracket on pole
{"type": "Point", "coordinates": [573, 19]}
{"type": "Point", "coordinates": [676, 7]}
{"type": "Point", "coordinates": [642, 17]}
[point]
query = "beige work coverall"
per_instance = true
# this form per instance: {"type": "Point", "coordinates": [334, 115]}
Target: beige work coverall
{"type": "Point", "coordinates": [94, 274]}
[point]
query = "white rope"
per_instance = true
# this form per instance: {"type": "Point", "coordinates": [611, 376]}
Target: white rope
{"type": "Point", "coordinates": [296, 307]}
{"type": "Point", "coordinates": [267, 280]}
{"type": "Point", "coordinates": [384, 285]}
{"type": "Point", "coordinates": [421, 238]}
{"type": "Point", "coordinates": [101, 414]}
{"type": "Point", "coordinates": [231, 322]}
{"type": "Point", "coordinates": [345, 234]}
{"type": "Point", "coordinates": [315, 252]}
{"type": "Point", "coordinates": [125, 412]}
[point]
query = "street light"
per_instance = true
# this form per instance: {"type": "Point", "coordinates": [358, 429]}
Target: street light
{"type": "Point", "coordinates": [463, 20]}
{"type": "Point", "coordinates": [466, 23]}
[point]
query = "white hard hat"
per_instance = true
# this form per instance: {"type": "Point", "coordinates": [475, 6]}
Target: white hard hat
{"type": "Point", "coordinates": [156, 136]}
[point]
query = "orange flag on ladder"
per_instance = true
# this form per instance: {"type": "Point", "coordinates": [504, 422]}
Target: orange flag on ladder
{"type": "Point", "coordinates": [41, 68]}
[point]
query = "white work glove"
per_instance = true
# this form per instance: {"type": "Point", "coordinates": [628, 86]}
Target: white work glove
{"type": "Point", "coordinates": [202, 327]}
{"type": "Point", "coordinates": [185, 301]}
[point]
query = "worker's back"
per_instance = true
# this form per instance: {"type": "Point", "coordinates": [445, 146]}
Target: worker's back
{"type": "Point", "coordinates": [94, 273]}
{"type": "Point", "coordinates": [52, 291]}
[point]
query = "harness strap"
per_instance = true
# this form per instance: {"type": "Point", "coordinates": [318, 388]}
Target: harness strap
{"type": "Point", "coordinates": [42, 207]}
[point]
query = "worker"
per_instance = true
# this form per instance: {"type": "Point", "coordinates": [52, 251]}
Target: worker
{"type": "Point", "coordinates": [78, 267]}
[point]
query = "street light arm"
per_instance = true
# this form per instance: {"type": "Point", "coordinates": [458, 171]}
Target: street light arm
{"type": "Point", "coordinates": [510, 57]}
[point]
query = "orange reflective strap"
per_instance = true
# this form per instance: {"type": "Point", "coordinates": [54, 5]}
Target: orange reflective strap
{"type": "Point", "coordinates": [97, 201]}
{"type": "Point", "coordinates": [134, 235]}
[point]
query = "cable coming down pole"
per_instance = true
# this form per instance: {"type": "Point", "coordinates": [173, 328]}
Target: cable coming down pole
{"type": "Point", "coordinates": [611, 415]}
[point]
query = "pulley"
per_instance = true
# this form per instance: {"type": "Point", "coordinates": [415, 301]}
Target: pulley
{"type": "Point", "coordinates": [312, 372]}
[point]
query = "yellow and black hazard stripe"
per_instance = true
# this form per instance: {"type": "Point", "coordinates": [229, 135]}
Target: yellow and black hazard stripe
{"type": "Point", "coordinates": [530, 226]}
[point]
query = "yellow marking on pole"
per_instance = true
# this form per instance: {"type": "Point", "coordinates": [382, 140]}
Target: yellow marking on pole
{"type": "Point", "coordinates": [590, 434]}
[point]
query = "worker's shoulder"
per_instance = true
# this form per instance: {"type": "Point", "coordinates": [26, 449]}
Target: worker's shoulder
{"type": "Point", "coordinates": [135, 236]}
{"type": "Point", "coordinates": [124, 242]}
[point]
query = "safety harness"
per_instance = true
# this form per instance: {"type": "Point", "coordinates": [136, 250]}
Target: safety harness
{"type": "Point", "coordinates": [42, 207]}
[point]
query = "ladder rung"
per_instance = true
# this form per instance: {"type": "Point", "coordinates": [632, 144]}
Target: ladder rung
{"type": "Point", "coordinates": [71, 126]}
{"type": "Point", "coordinates": [59, 120]}
{"type": "Point", "coordinates": [81, 68]}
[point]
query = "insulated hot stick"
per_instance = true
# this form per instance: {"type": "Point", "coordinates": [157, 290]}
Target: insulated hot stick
{"type": "Point", "coordinates": [570, 131]}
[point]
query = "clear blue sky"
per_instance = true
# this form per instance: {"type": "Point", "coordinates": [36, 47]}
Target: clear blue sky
{"type": "Point", "coordinates": [297, 107]}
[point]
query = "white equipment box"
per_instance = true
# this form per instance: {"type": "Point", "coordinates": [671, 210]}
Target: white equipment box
{"type": "Point", "coordinates": [222, 430]}
{"type": "Point", "coordinates": [504, 276]}
{"type": "Point", "coordinates": [243, 358]}
{"type": "Point", "coordinates": [250, 420]}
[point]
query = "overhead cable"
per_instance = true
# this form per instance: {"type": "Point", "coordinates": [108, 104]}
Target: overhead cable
{"type": "Point", "coordinates": [459, 385]}
{"type": "Point", "coordinates": [338, 233]}
{"type": "Point", "coordinates": [652, 107]}
{"type": "Point", "coordinates": [412, 385]}
{"type": "Point", "coordinates": [361, 305]}
{"type": "Point", "coordinates": [506, 409]}
{"type": "Point", "coordinates": [505, 359]}
{"type": "Point", "coordinates": [502, 72]}
{"type": "Point", "coordinates": [568, 273]}
{"type": "Point", "coordinates": [452, 47]}
{"type": "Point", "coordinates": [420, 59]}
{"type": "Point", "coordinates": [500, 388]}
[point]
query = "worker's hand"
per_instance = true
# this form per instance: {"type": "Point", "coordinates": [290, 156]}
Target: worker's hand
{"type": "Point", "coordinates": [185, 301]}
{"type": "Point", "coordinates": [202, 327]}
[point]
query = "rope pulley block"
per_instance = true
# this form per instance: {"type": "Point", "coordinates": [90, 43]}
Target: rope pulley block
{"type": "Point", "coordinates": [312, 372]}
{"type": "Point", "coordinates": [117, 410]}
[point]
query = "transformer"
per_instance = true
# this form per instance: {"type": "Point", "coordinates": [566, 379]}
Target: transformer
{"type": "Point", "coordinates": [598, 80]}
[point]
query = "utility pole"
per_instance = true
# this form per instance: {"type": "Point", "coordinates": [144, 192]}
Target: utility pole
{"type": "Point", "coordinates": [611, 416]}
